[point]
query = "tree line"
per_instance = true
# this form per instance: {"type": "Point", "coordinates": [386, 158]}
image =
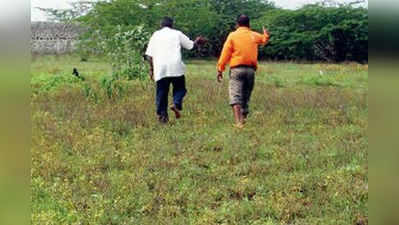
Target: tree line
{"type": "Point", "coordinates": [324, 31]}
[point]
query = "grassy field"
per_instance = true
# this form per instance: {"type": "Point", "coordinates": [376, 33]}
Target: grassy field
{"type": "Point", "coordinates": [301, 160]}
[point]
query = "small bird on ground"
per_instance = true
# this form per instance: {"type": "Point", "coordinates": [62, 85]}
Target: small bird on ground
{"type": "Point", "coordinates": [76, 73]}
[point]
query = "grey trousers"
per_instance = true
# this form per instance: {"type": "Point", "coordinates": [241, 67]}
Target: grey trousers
{"type": "Point", "coordinates": [242, 80]}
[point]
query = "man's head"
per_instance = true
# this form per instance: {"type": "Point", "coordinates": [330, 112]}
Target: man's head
{"type": "Point", "coordinates": [243, 20]}
{"type": "Point", "coordinates": [167, 22]}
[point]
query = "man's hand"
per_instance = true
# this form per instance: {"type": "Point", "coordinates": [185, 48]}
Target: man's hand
{"type": "Point", "coordinates": [151, 70]}
{"type": "Point", "coordinates": [220, 76]}
{"type": "Point", "coordinates": [266, 32]}
{"type": "Point", "coordinates": [200, 40]}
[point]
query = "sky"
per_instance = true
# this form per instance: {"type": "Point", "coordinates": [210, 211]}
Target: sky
{"type": "Point", "coordinates": [36, 15]}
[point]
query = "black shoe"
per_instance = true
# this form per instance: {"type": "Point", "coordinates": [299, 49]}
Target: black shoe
{"type": "Point", "coordinates": [163, 119]}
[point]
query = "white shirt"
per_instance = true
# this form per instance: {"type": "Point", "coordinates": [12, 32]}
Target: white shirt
{"type": "Point", "coordinates": [165, 49]}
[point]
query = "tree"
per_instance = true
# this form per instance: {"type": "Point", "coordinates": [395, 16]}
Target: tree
{"type": "Point", "coordinates": [318, 32]}
{"type": "Point", "coordinates": [326, 30]}
{"type": "Point", "coordinates": [77, 10]}
{"type": "Point", "coordinates": [213, 19]}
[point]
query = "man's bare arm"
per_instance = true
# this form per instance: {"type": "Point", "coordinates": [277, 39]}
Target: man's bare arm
{"type": "Point", "coordinates": [150, 61]}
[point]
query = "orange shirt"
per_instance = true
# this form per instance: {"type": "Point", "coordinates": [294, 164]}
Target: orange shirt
{"type": "Point", "coordinates": [241, 48]}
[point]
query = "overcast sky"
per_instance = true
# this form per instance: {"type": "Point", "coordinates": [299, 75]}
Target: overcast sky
{"type": "Point", "coordinates": [36, 15]}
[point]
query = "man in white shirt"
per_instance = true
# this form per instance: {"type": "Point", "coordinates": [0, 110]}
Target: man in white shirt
{"type": "Point", "coordinates": [166, 66]}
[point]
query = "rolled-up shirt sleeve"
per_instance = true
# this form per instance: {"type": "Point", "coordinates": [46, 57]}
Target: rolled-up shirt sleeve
{"type": "Point", "coordinates": [186, 42]}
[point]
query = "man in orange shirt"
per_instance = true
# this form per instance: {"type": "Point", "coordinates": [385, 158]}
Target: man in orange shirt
{"type": "Point", "coordinates": [241, 52]}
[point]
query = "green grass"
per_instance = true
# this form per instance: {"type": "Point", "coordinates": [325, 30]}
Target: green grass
{"type": "Point", "coordinates": [302, 158]}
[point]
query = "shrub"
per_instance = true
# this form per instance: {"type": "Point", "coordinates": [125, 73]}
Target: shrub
{"type": "Point", "coordinates": [124, 50]}
{"type": "Point", "coordinates": [317, 32]}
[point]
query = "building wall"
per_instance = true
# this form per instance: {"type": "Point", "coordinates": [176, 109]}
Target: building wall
{"type": "Point", "coordinates": [53, 46]}
{"type": "Point", "coordinates": [54, 38]}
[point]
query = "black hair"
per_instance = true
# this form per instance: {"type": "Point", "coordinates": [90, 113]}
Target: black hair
{"type": "Point", "coordinates": [167, 22]}
{"type": "Point", "coordinates": [243, 20]}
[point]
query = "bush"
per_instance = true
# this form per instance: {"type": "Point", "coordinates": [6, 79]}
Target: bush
{"type": "Point", "coordinates": [124, 50]}
{"type": "Point", "coordinates": [213, 19]}
{"type": "Point", "coordinates": [317, 32]}
{"type": "Point", "coordinates": [328, 32]}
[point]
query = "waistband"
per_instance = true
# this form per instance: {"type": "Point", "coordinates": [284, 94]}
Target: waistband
{"type": "Point", "coordinates": [243, 66]}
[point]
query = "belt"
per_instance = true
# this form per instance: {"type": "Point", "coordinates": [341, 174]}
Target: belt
{"type": "Point", "coordinates": [244, 66]}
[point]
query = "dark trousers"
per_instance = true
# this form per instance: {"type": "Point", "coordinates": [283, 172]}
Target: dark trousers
{"type": "Point", "coordinates": [179, 91]}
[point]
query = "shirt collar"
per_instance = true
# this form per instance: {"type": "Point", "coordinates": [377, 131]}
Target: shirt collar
{"type": "Point", "coordinates": [243, 28]}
